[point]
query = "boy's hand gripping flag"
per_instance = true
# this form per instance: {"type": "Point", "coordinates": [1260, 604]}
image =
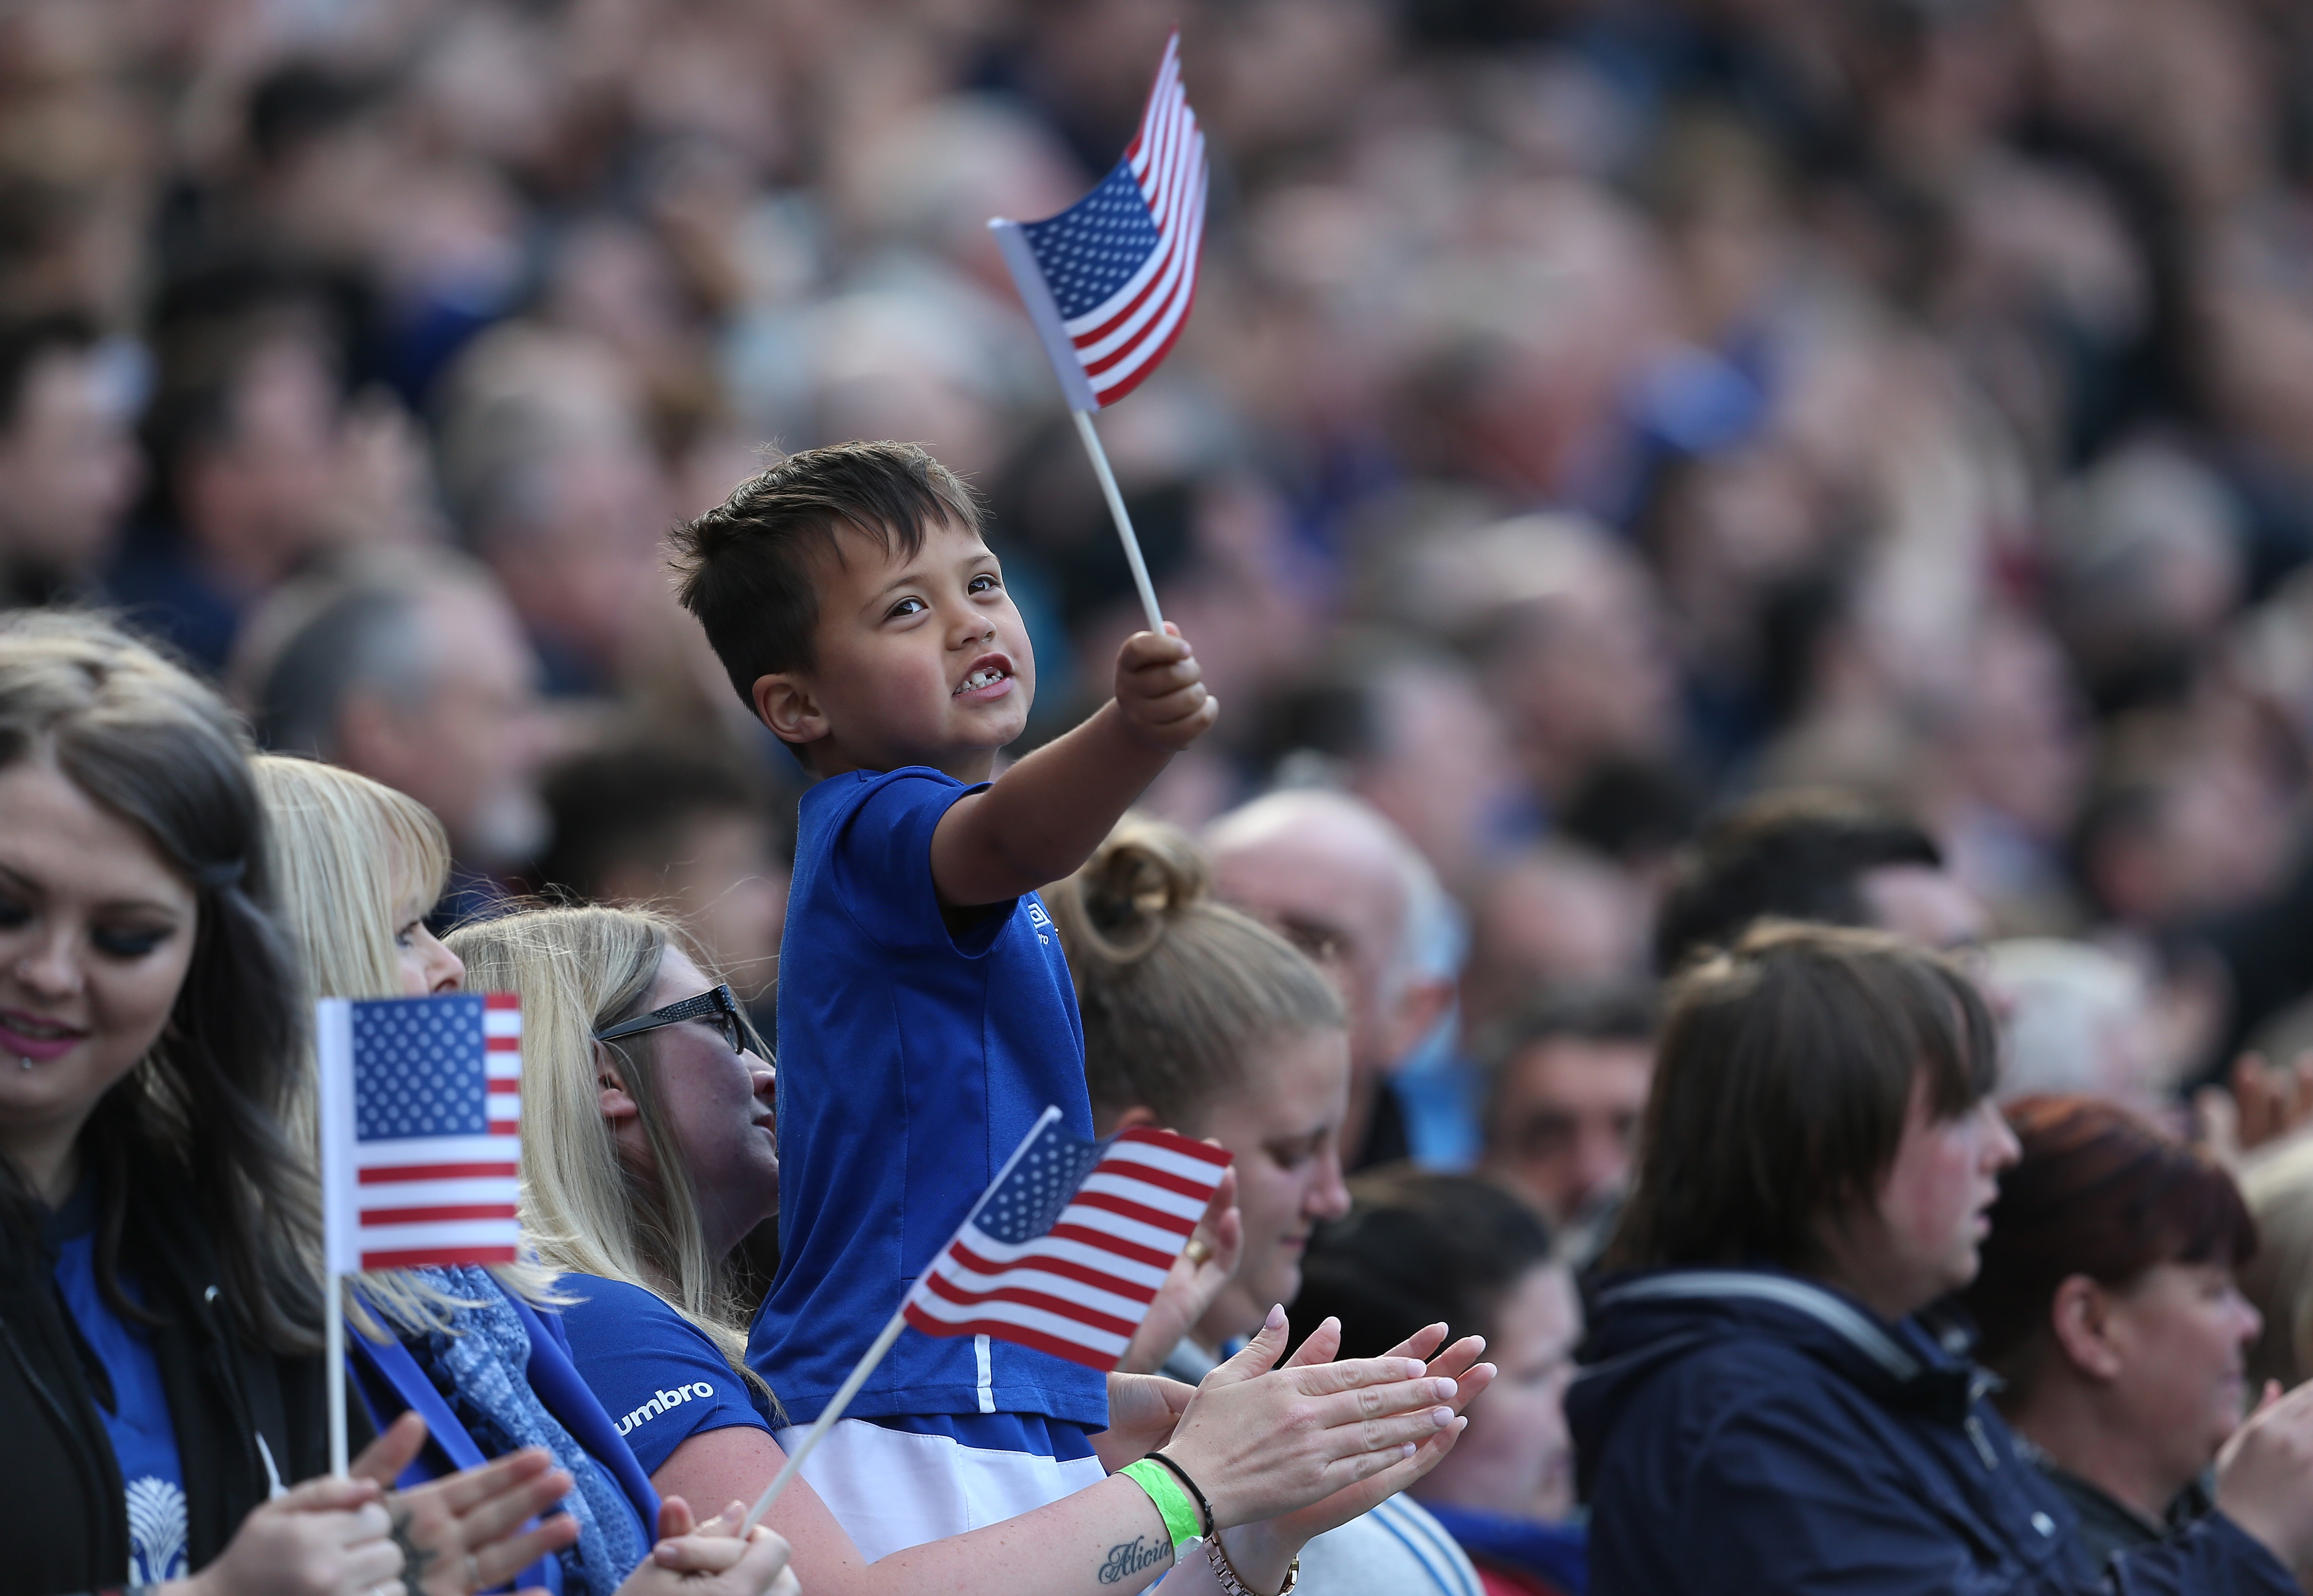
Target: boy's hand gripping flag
{"type": "Point", "coordinates": [1063, 1252]}
{"type": "Point", "coordinates": [421, 1146]}
{"type": "Point", "coordinates": [1066, 1250]}
{"type": "Point", "coordinates": [1109, 281]}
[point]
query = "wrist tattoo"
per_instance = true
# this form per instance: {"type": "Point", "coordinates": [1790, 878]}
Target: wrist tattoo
{"type": "Point", "coordinates": [1129, 1557]}
{"type": "Point", "coordinates": [415, 1559]}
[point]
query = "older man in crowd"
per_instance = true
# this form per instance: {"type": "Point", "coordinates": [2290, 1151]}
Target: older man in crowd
{"type": "Point", "coordinates": [418, 675]}
{"type": "Point", "coordinates": [1342, 883]}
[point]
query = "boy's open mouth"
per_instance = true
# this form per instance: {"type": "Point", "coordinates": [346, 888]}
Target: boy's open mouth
{"type": "Point", "coordinates": [985, 673]}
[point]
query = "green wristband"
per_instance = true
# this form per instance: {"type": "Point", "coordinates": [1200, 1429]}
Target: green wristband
{"type": "Point", "coordinates": [1173, 1504]}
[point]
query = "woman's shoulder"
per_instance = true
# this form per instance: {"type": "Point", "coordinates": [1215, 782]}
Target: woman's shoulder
{"type": "Point", "coordinates": [596, 1307]}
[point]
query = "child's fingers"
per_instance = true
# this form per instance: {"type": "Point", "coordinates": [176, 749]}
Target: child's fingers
{"type": "Point", "coordinates": [1144, 649]}
{"type": "Point", "coordinates": [1162, 676]}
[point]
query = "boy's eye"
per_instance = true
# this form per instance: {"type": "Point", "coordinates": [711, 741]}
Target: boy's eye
{"type": "Point", "coordinates": [985, 582]}
{"type": "Point", "coordinates": [906, 606]}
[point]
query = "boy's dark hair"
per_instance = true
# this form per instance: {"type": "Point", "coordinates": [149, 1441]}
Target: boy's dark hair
{"type": "Point", "coordinates": [1798, 855]}
{"type": "Point", "coordinates": [636, 803]}
{"type": "Point", "coordinates": [1781, 1087]}
{"type": "Point", "coordinates": [746, 564]}
{"type": "Point", "coordinates": [1415, 1249]}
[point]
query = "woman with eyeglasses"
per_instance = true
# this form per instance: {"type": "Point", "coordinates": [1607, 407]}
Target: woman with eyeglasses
{"type": "Point", "coordinates": [482, 1355]}
{"type": "Point", "coordinates": [647, 1152]}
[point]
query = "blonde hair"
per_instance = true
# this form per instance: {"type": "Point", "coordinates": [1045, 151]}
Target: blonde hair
{"type": "Point", "coordinates": [2278, 1277]}
{"type": "Point", "coordinates": [578, 970]}
{"type": "Point", "coordinates": [1175, 989]}
{"type": "Point", "coordinates": [345, 852]}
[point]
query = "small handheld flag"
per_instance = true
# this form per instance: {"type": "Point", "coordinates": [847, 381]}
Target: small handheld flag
{"type": "Point", "coordinates": [1109, 281]}
{"type": "Point", "coordinates": [1063, 1252]}
{"type": "Point", "coordinates": [421, 1144]}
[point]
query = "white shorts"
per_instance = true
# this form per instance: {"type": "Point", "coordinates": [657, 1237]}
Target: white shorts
{"type": "Point", "coordinates": [892, 1489]}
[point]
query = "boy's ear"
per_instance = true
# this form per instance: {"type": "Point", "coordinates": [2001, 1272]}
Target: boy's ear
{"type": "Point", "coordinates": [785, 703]}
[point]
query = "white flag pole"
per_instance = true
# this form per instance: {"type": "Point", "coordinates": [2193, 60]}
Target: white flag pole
{"type": "Point", "coordinates": [334, 1358]}
{"type": "Point", "coordinates": [874, 1356]}
{"type": "Point", "coordinates": [1045, 313]}
{"type": "Point", "coordinates": [333, 1059]}
{"type": "Point", "coordinates": [1140, 582]}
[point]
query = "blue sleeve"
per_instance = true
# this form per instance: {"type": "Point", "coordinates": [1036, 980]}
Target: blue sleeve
{"type": "Point", "coordinates": [661, 1380]}
{"type": "Point", "coordinates": [880, 858]}
{"type": "Point", "coordinates": [2214, 1555]}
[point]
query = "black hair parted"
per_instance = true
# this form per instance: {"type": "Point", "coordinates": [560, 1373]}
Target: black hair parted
{"type": "Point", "coordinates": [747, 564]}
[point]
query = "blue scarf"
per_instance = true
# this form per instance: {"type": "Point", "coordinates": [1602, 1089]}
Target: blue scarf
{"type": "Point", "coordinates": [482, 1371]}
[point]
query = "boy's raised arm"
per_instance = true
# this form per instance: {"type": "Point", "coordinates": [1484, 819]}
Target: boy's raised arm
{"type": "Point", "coordinates": [1044, 817]}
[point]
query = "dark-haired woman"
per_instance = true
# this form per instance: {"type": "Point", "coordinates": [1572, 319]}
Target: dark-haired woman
{"type": "Point", "coordinates": [1418, 1248]}
{"type": "Point", "coordinates": [1763, 1407]}
{"type": "Point", "coordinates": [160, 1308]}
{"type": "Point", "coordinates": [2108, 1304]}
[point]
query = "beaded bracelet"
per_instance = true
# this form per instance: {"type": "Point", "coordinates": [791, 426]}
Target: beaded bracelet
{"type": "Point", "coordinates": [1227, 1577]}
{"type": "Point", "coordinates": [1173, 1504]}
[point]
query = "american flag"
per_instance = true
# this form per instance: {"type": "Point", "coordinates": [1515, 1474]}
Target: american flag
{"type": "Point", "coordinates": [421, 1112]}
{"type": "Point", "coordinates": [1065, 1251]}
{"type": "Point", "coordinates": [1109, 281]}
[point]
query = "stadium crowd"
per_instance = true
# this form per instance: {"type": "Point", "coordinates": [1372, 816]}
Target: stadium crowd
{"type": "Point", "coordinates": [1636, 469]}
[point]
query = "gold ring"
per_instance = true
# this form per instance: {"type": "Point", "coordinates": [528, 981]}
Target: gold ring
{"type": "Point", "coordinates": [1198, 1250]}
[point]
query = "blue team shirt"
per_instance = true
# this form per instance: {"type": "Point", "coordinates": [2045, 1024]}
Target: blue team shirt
{"type": "Point", "coordinates": [913, 1059]}
{"type": "Point", "coordinates": [138, 1423]}
{"type": "Point", "coordinates": [655, 1372]}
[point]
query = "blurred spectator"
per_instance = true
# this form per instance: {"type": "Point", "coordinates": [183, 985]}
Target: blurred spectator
{"type": "Point", "coordinates": [1418, 1248]}
{"type": "Point", "coordinates": [2278, 1278]}
{"type": "Point", "coordinates": [418, 678]}
{"type": "Point", "coordinates": [645, 825]}
{"type": "Point", "coordinates": [2107, 1303]}
{"type": "Point", "coordinates": [1340, 883]}
{"type": "Point", "coordinates": [2076, 1019]}
{"type": "Point", "coordinates": [1566, 1085]}
{"type": "Point", "coordinates": [1818, 856]}
{"type": "Point", "coordinates": [1554, 914]}
{"type": "Point", "coordinates": [67, 461]}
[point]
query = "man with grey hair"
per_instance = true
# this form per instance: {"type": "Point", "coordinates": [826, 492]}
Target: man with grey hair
{"type": "Point", "coordinates": [418, 675]}
{"type": "Point", "coordinates": [1327, 872]}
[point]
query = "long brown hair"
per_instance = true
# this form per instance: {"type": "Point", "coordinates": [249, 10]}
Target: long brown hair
{"type": "Point", "coordinates": [1783, 1079]}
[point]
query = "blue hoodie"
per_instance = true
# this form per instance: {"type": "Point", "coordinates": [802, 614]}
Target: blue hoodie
{"type": "Point", "coordinates": [1745, 1430]}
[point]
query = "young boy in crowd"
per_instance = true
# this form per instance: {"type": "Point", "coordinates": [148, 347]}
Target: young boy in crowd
{"type": "Point", "coordinates": [925, 1016]}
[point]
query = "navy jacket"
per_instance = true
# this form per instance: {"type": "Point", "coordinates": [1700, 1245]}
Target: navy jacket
{"type": "Point", "coordinates": [1743, 1429]}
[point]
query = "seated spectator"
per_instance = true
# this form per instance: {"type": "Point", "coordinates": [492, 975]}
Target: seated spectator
{"type": "Point", "coordinates": [690, 834]}
{"type": "Point", "coordinates": [2076, 1019]}
{"type": "Point", "coordinates": [1762, 1408]}
{"type": "Point", "coordinates": [159, 1258]}
{"type": "Point", "coordinates": [1330, 875]}
{"type": "Point", "coordinates": [2107, 1302]}
{"type": "Point", "coordinates": [1199, 1018]}
{"type": "Point", "coordinates": [1812, 854]}
{"type": "Point", "coordinates": [1567, 1082]}
{"type": "Point", "coordinates": [2279, 1279]}
{"type": "Point", "coordinates": [68, 461]}
{"type": "Point", "coordinates": [650, 1153]}
{"type": "Point", "coordinates": [418, 678]}
{"type": "Point", "coordinates": [1420, 1247]}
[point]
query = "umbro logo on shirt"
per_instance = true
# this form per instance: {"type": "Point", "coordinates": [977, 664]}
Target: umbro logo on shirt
{"type": "Point", "coordinates": [663, 1400]}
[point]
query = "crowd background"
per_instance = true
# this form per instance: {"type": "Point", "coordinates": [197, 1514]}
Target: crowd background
{"type": "Point", "coordinates": [1593, 413]}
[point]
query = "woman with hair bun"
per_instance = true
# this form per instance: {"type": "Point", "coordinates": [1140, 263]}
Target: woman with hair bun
{"type": "Point", "coordinates": [2107, 1302]}
{"type": "Point", "coordinates": [1201, 1019]}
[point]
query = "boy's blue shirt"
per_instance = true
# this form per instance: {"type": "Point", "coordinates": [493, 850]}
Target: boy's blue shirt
{"type": "Point", "coordinates": [911, 1061]}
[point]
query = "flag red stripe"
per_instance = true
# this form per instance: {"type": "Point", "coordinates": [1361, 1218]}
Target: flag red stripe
{"type": "Point", "coordinates": [501, 1000]}
{"type": "Point", "coordinates": [1074, 1351]}
{"type": "Point", "coordinates": [1155, 1217]}
{"type": "Point", "coordinates": [1027, 1297]}
{"type": "Point", "coordinates": [1115, 1244]}
{"type": "Point", "coordinates": [1067, 1268]}
{"type": "Point", "coordinates": [377, 1173]}
{"type": "Point", "coordinates": [502, 1043]}
{"type": "Point", "coordinates": [425, 1216]}
{"type": "Point", "coordinates": [416, 1257]}
{"type": "Point", "coordinates": [1173, 1142]}
{"type": "Point", "coordinates": [1163, 1180]}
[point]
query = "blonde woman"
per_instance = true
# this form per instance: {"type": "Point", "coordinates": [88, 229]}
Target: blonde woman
{"type": "Point", "coordinates": [647, 1152]}
{"type": "Point", "coordinates": [481, 1356]}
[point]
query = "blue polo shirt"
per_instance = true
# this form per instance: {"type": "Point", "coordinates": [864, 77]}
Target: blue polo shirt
{"type": "Point", "coordinates": [913, 1057]}
{"type": "Point", "coordinates": [655, 1372]}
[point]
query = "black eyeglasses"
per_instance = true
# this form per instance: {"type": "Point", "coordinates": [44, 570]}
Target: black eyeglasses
{"type": "Point", "coordinates": [720, 1006]}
